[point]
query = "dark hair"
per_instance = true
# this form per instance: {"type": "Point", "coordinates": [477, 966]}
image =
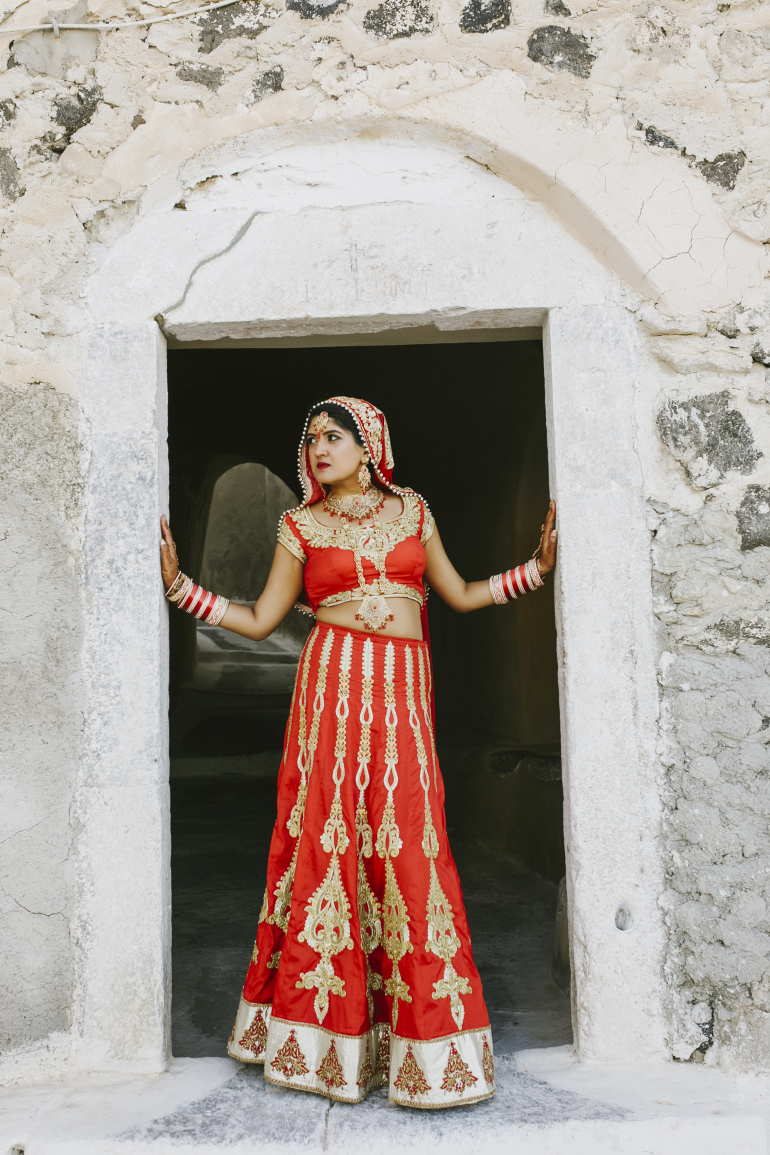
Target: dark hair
{"type": "Point", "coordinates": [341, 415]}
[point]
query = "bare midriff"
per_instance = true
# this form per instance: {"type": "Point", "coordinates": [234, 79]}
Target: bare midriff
{"type": "Point", "coordinates": [406, 618]}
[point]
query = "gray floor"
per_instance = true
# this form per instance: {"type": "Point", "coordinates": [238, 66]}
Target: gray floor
{"type": "Point", "coordinates": [223, 802]}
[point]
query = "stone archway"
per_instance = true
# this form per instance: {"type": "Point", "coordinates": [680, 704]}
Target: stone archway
{"type": "Point", "coordinates": [270, 237]}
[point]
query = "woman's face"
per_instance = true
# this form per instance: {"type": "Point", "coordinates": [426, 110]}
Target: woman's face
{"type": "Point", "coordinates": [335, 458]}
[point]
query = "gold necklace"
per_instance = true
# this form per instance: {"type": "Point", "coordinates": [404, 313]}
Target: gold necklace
{"type": "Point", "coordinates": [375, 612]}
{"type": "Point", "coordinates": [358, 505]}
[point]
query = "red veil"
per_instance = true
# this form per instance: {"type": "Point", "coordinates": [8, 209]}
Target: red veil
{"type": "Point", "coordinates": [373, 429]}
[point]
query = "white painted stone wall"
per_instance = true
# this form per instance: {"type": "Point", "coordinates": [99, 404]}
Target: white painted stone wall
{"type": "Point", "coordinates": [271, 170]}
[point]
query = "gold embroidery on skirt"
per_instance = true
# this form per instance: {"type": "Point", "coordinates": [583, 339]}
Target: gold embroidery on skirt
{"type": "Point", "coordinates": [395, 919]}
{"type": "Point", "coordinates": [275, 959]}
{"type": "Point", "coordinates": [367, 1071]}
{"type": "Point", "coordinates": [289, 1060]}
{"type": "Point", "coordinates": [330, 1071]}
{"type": "Point", "coordinates": [298, 809]}
{"type": "Point", "coordinates": [318, 701]}
{"type": "Point", "coordinates": [363, 829]}
{"type": "Point", "coordinates": [411, 1077]}
{"type": "Point", "coordinates": [327, 926]}
{"type": "Point", "coordinates": [442, 936]}
{"type": "Point", "coordinates": [426, 711]}
{"type": "Point", "coordinates": [457, 1074]}
{"type": "Point", "coordinates": [282, 894]}
{"type": "Point", "coordinates": [382, 1066]}
{"type": "Point", "coordinates": [488, 1062]}
{"type": "Point", "coordinates": [255, 1036]}
{"type": "Point", "coordinates": [368, 906]}
{"type": "Point", "coordinates": [443, 941]}
{"type": "Point", "coordinates": [283, 891]}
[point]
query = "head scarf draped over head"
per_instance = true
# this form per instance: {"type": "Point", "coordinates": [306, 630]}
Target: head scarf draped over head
{"type": "Point", "coordinates": [373, 429]}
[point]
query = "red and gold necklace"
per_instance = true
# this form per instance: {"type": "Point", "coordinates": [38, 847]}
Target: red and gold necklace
{"type": "Point", "coordinates": [356, 505]}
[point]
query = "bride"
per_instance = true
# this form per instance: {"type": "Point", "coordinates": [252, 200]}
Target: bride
{"type": "Point", "coordinates": [362, 973]}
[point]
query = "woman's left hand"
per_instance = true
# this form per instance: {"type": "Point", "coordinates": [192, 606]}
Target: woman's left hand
{"type": "Point", "coordinates": [547, 557]}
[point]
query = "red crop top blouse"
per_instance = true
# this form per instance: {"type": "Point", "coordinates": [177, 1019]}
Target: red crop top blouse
{"type": "Point", "coordinates": [328, 557]}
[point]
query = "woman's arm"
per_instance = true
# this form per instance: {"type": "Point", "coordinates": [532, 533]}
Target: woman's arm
{"type": "Point", "coordinates": [464, 596]}
{"type": "Point", "coordinates": [284, 586]}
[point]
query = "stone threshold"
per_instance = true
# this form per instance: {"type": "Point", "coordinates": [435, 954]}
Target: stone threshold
{"type": "Point", "coordinates": [546, 1104]}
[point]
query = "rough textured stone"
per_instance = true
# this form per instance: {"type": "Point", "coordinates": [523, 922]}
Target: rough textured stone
{"type": "Point", "coordinates": [321, 10]}
{"type": "Point", "coordinates": [658, 33]}
{"type": "Point", "coordinates": [657, 139]}
{"type": "Point", "coordinates": [74, 111]}
{"type": "Point", "coordinates": [556, 8]}
{"type": "Point", "coordinates": [724, 169]}
{"type": "Point", "coordinates": [754, 517]}
{"type": "Point", "coordinates": [201, 74]}
{"type": "Point", "coordinates": [10, 177]}
{"type": "Point", "coordinates": [561, 49]}
{"type": "Point", "coordinates": [485, 15]}
{"type": "Point", "coordinates": [267, 83]}
{"type": "Point", "coordinates": [395, 19]}
{"type": "Point", "coordinates": [41, 476]}
{"type": "Point", "coordinates": [237, 20]}
{"type": "Point", "coordinates": [707, 437]}
{"type": "Point", "coordinates": [7, 112]}
{"type": "Point", "coordinates": [740, 321]}
{"type": "Point", "coordinates": [716, 687]}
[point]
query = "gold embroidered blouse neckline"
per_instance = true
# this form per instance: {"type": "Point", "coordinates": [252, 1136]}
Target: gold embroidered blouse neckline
{"type": "Point", "coordinates": [338, 528]}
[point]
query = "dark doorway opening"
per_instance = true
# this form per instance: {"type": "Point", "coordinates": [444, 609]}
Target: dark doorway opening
{"type": "Point", "coordinates": [468, 429]}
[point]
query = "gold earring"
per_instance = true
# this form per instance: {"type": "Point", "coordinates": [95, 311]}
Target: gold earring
{"type": "Point", "coordinates": [364, 477]}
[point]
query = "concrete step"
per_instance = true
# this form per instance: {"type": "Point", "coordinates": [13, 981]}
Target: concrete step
{"type": "Point", "coordinates": [546, 1104]}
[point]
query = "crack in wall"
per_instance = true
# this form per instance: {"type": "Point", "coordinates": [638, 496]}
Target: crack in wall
{"type": "Point", "coordinates": [240, 234]}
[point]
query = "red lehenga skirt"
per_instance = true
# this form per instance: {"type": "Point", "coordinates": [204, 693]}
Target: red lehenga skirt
{"type": "Point", "coordinates": [362, 972]}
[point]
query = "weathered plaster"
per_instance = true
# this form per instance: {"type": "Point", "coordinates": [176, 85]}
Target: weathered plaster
{"type": "Point", "coordinates": [44, 457]}
{"type": "Point", "coordinates": [338, 168]}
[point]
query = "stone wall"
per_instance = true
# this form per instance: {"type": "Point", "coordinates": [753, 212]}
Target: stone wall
{"type": "Point", "coordinates": [643, 128]}
{"type": "Point", "coordinates": [43, 458]}
{"type": "Point", "coordinates": [712, 599]}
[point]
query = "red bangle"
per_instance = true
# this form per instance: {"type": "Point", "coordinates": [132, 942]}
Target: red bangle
{"type": "Point", "coordinates": [512, 584]}
{"type": "Point", "coordinates": [194, 599]}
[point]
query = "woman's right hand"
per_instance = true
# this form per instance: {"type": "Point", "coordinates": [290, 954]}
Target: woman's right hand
{"type": "Point", "coordinates": [169, 564]}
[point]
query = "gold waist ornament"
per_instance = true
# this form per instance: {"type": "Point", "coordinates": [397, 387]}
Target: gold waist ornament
{"type": "Point", "coordinates": [374, 612]}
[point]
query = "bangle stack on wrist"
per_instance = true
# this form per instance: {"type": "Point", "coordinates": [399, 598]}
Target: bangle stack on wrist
{"type": "Point", "coordinates": [193, 599]}
{"type": "Point", "coordinates": [512, 584]}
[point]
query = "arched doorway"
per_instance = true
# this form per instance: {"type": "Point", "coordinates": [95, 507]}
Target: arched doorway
{"type": "Point", "coordinates": [476, 255]}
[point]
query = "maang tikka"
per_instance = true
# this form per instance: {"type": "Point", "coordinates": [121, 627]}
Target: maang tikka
{"type": "Point", "coordinates": [364, 477]}
{"type": "Point", "coordinates": [319, 423]}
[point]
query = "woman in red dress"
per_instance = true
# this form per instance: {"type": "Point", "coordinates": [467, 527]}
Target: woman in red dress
{"type": "Point", "coordinates": [362, 973]}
